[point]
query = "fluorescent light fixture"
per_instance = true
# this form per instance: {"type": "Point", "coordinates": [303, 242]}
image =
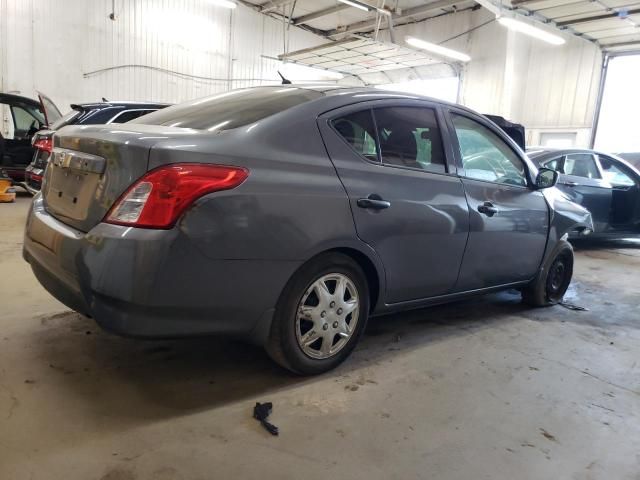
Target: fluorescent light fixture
{"type": "Point", "coordinates": [527, 29]}
{"type": "Point", "coordinates": [440, 50]}
{"type": "Point", "coordinates": [356, 4]}
{"type": "Point", "coordinates": [224, 3]}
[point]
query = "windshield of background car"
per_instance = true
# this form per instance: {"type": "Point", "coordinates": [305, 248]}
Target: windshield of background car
{"type": "Point", "coordinates": [230, 110]}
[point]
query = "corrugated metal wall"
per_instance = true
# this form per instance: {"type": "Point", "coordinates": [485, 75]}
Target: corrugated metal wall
{"type": "Point", "coordinates": [173, 50]}
{"type": "Point", "coordinates": [160, 50]}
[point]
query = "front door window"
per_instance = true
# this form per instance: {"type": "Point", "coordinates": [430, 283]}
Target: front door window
{"type": "Point", "coordinates": [485, 156]}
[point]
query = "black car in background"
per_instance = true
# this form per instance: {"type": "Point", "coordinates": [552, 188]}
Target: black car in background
{"type": "Point", "coordinates": [23, 117]}
{"type": "Point", "coordinates": [80, 114]}
{"type": "Point", "coordinates": [606, 185]}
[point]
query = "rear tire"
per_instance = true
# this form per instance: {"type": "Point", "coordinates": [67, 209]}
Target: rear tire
{"type": "Point", "coordinates": [320, 316]}
{"type": "Point", "coordinates": [552, 282]}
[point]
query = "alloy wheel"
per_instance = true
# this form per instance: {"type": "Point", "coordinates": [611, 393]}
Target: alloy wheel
{"type": "Point", "coordinates": [327, 315]}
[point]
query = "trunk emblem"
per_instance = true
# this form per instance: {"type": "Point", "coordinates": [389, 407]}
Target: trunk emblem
{"type": "Point", "coordinates": [78, 161]}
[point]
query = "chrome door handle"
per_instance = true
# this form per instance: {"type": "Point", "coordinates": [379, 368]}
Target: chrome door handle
{"type": "Point", "coordinates": [487, 209]}
{"type": "Point", "coordinates": [570, 184]}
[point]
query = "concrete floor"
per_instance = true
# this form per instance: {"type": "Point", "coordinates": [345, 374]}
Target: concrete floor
{"type": "Point", "coordinates": [480, 389]}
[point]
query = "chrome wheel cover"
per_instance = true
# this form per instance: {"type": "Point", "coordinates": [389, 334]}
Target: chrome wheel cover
{"type": "Point", "coordinates": [327, 315]}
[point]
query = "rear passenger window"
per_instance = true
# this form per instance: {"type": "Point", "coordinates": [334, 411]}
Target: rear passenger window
{"type": "Point", "coordinates": [615, 174]}
{"type": "Point", "coordinates": [581, 165]}
{"type": "Point", "coordinates": [410, 137]}
{"type": "Point", "coordinates": [357, 130]}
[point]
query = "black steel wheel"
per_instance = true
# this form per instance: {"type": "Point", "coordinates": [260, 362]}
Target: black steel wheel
{"type": "Point", "coordinates": [553, 280]}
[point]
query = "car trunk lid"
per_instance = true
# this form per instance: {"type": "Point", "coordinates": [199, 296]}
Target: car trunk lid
{"type": "Point", "coordinates": [91, 166]}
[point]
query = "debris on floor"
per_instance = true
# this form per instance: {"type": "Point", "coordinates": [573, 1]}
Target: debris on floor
{"type": "Point", "coordinates": [571, 306]}
{"type": "Point", "coordinates": [261, 412]}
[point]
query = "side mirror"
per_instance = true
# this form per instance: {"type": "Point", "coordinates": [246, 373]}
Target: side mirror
{"type": "Point", "coordinates": [546, 178]}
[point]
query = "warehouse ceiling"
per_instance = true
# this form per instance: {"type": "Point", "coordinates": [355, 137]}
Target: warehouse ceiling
{"type": "Point", "coordinates": [613, 24]}
{"type": "Point", "coordinates": [361, 56]}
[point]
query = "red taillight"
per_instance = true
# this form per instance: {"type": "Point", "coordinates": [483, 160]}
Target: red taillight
{"type": "Point", "coordinates": [159, 198]}
{"type": "Point", "coordinates": [45, 144]}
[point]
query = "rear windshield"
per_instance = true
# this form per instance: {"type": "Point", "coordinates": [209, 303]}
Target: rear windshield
{"type": "Point", "coordinates": [230, 110]}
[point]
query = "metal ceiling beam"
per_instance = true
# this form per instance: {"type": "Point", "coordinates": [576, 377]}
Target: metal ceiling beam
{"type": "Point", "coordinates": [517, 3]}
{"type": "Point", "coordinates": [621, 44]}
{"type": "Point", "coordinates": [595, 18]}
{"type": "Point", "coordinates": [320, 13]}
{"type": "Point", "coordinates": [273, 5]}
{"type": "Point", "coordinates": [408, 13]}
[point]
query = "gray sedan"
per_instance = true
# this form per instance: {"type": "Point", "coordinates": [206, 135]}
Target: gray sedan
{"type": "Point", "coordinates": [287, 215]}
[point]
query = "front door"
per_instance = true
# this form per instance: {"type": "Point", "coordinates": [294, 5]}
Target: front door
{"type": "Point", "coordinates": [581, 180]}
{"type": "Point", "coordinates": [23, 120]}
{"type": "Point", "coordinates": [508, 220]}
{"type": "Point", "coordinates": [406, 201]}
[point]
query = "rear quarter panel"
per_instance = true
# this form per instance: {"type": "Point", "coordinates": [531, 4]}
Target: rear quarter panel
{"type": "Point", "coordinates": [291, 207]}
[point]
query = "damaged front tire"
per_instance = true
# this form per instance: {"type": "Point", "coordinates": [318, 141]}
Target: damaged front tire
{"type": "Point", "coordinates": [552, 281]}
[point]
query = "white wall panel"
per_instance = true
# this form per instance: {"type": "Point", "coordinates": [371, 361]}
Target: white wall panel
{"type": "Point", "coordinates": [158, 50]}
{"type": "Point", "coordinates": [542, 86]}
{"type": "Point", "coordinates": [523, 79]}
{"type": "Point", "coordinates": [173, 50]}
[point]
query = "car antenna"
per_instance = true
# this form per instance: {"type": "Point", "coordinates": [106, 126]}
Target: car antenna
{"type": "Point", "coordinates": [105, 100]}
{"type": "Point", "coordinates": [285, 81]}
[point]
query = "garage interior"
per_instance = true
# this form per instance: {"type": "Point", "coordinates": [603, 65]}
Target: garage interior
{"type": "Point", "coordinates": [481, 388]}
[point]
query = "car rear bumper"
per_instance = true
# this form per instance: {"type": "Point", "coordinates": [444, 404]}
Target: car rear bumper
{"type": "Point", "coordinates": [152, 283]}
{"type": "Point", "coordinates": [33, 179]}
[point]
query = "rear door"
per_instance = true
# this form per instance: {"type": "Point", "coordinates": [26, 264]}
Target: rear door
{"type": "Point", "coordinates": [406, 200]}
{"type": "Point", "coordinates": [508, 220]}
{"type": "Point", "coordinates": [581, 179]}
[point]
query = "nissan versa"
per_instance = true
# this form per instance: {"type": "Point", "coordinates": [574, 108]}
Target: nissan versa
{"type": "Point", "coordinates": [287, 215]}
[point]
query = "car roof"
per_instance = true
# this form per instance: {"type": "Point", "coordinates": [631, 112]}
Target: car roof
{"type": "Point", "coordinates": [332, 89]}
{"type": "Point", "coordinates": [11, 97]}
